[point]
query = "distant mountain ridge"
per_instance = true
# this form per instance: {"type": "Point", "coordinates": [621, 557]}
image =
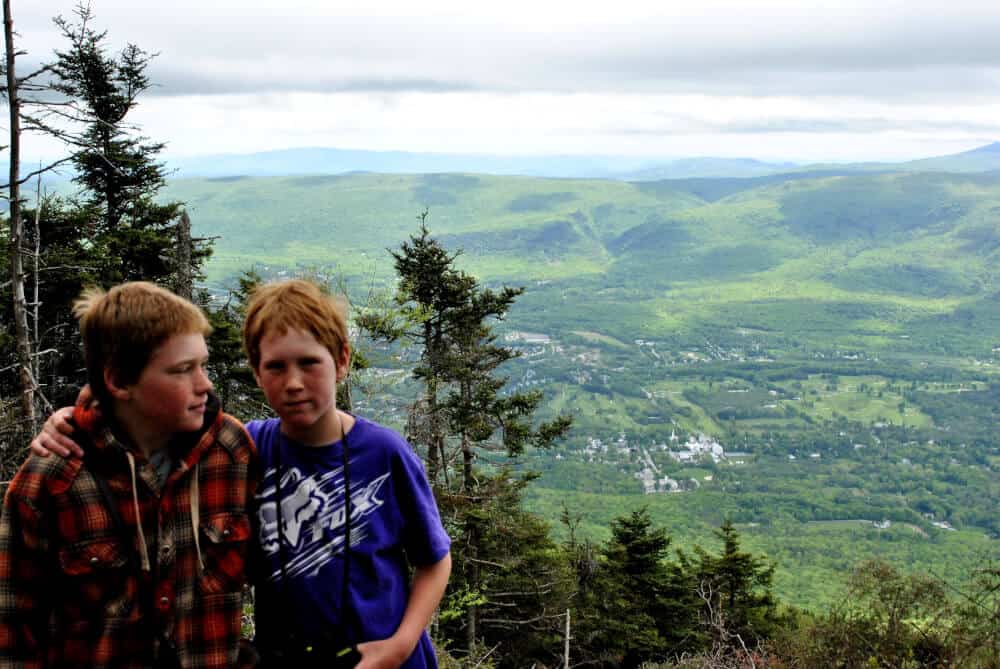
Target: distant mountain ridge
{"type": "Point", "coordinates": [318, 160]}
{"type": "Point", "coordinates": [327, 161]}
{"type": "Point", "coordinates": [983, 159]}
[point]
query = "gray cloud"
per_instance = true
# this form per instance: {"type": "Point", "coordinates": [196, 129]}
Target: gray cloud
{"type": "Point", "coordinates": [173, 81]}
{"type": "Point", "coordinates": [893, 50]}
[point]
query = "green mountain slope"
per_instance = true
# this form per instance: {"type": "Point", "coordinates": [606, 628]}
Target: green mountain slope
{"type": "Point", "coordinates": [840, 332]}
{"type": "Point", "coordinates": [857, 257]}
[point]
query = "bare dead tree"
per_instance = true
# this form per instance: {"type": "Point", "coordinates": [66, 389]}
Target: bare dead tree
{"type": "Point", "coordinates": [36, 301]}
{"type": "Point", "coordinates": [35, 260]}
{"type": "Point", "coordinates": [23, 93]}
{"type": "Point", "coordinates": [21, 334]}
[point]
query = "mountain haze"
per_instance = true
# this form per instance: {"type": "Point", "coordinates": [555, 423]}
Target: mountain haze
{"type": "Point", "coordinates": [316, 160]}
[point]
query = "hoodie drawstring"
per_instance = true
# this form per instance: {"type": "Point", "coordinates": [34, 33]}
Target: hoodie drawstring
{"type": "Point", "coordinates": [143, 551]}
{"type": "Point", "coordinates": [196, 515]}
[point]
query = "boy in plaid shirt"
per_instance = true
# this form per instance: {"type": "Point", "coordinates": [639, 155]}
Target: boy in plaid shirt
{"type": "Point", "coordinates": [134, 555]}
{"type": "Point", "coordinates": [331, 574]}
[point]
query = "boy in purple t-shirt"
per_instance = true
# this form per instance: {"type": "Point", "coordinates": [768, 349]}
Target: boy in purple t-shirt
{"type": "Point", "coordinates": [310, 591]}
{"type": "Point", "coordinates": [313, 597]}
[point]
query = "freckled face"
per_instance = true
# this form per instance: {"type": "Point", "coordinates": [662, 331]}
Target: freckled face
{"type": "Point", "coordinates": [299, 378]}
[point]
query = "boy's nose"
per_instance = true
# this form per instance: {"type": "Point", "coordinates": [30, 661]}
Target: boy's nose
{"type": "Point", "coordinates": [204, 383]}
{"type": "Point", "coordinates": [293, 382]}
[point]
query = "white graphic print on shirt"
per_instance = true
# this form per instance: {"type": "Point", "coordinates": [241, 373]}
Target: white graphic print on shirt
{"type": "Point", "coordinates": [312, 513]}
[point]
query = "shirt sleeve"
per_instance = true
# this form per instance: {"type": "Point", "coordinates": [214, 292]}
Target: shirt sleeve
{"type": "Point", "coordinates": [24, 554]}
{"type": "Point", "coordinates": [424, 536]}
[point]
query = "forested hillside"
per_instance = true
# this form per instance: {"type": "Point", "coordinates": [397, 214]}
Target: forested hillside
{"type": "Point", "coordinates": [835, 334]}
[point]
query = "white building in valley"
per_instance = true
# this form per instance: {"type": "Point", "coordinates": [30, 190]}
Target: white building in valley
{"type": "Point", "coordinates": [698, 448]}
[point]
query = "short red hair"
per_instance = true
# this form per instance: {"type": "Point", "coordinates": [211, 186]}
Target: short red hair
{"type": "Point", "coordinates": [294, 304]}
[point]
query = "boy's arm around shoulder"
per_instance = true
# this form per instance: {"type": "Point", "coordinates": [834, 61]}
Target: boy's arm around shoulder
{"type": "Point", "coordinates": [25, 559]}
{"type": "Point", "coordinates": [234, 437]}
{"type": "Point", "coordinates": [429, 583]}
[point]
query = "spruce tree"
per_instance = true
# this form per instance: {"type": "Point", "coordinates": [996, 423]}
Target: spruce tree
{"type": "Point", "coordinates": [117, 170]}
{"type": "Point", "coordinates": [429, 290]}
{"type": "Point", "coordinates": [234, 381]}
{"type": "Point", "coordinates": [735, 588]}
{"type": "Point", "coordinates": [113, 229]}
{"type": "Point", "coordinates": [635, 568]}
{"type": "Point", "coordinates": [464, 413]}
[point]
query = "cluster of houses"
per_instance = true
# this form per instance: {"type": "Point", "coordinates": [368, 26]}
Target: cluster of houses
{"type": "Point", "coordinates": [697, 449]}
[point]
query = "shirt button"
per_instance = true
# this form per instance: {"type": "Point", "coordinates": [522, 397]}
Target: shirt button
{"type": "Point", "coordinates": [226, 532]}
{"type": "Point", "coordinates": [95, 560]}
{"type": "Point", "coordinates": [164, 600]}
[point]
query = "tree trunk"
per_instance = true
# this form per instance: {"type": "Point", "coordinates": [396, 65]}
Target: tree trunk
{"type": "Point", "coordinates": [36, 303]}
{"type": "Point", "coordinates": [17, 230]}
{"type": "Point", "coordinates": [472, 615]}
{"type": "Point", "coordinates": [472, 545]}
{"type": "Point", "coordinates": [435, 441]}
{"type": "Point", "coordinates": [566, 647]}
{"type": "Point", "coordinates": [467, 459]}
{"type": "Point", "coordinates": [112, 215]}
{"type": "Point", "coordinates": [184, 281]}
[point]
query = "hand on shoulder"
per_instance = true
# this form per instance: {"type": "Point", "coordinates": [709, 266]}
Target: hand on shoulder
{"type": "Point", "coordinates": [55, 436]}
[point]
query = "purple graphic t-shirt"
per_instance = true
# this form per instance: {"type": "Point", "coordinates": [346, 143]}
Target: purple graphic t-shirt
{"type": "Point", "coordinates": [394, 521]}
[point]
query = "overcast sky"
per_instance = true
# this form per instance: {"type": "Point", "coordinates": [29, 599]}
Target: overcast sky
{"type": "Point", "coordinates": [799, 80]}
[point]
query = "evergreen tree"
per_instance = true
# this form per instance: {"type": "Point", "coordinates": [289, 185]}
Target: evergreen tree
{"type": "Point", "coordinates": [114, 230]}
{"type": "Point", "coordinates": [638, 606]}
{"type": "Point", "coordinates": [465, 411]}
{"type": "Point", "coordinates": [735, 588]}
{"type": "Point", "coordinates": [635, 567]}
{"type": "Point", "coordinates": [117, 170]}
{"type": "Point", "coordinates": [525, 582]}
{"type": "Point", "coordinates": [484, 420]}
{"type": "Point", "coordinates": [430, 290]}
{"type": "Point", "coordinates": [234, 381]}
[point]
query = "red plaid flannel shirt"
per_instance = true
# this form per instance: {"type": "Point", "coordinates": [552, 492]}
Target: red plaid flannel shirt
{"type": "Point", "coordinates": [72, 593]}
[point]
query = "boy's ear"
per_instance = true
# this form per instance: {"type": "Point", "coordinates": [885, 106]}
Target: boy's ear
{"type": "Point", "coordinates": [343, 362]}
{"type": "Point", "coordinates": [117, 390]}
